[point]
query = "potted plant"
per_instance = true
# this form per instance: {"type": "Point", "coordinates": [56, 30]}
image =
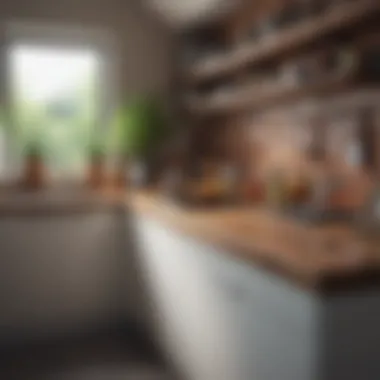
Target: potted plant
{"type": "Point", "coordinates": [141, 130]}
{"type": "Point", "coordinates": [34, 167]}
{"type": "Point", "coordinates": [96, 175]}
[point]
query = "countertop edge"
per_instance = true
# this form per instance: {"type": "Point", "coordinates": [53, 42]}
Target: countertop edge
{"type": "Point", "coordinates": [150, 206]}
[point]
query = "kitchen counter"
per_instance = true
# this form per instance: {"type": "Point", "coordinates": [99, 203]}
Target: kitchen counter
{"type": "Point", "coordinates": [269, 297]}
{"type": "Point", "coordinates": [324, 257]}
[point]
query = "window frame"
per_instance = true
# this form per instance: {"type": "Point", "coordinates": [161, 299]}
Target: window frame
{"type": "Point", "coordinates": [56, 35]}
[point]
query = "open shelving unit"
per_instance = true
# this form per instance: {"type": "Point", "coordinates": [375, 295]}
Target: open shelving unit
{"type": "Point", "coordinates": [274, 45]}
{"type": "Point", "coordinates": [258, 78]}
{"type": "Point", "coordinates": [268, 49]}
{"type": "Point", "coordinates": [239, 101]}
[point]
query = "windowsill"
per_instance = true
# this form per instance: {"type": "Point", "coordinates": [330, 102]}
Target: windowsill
{"type": "Point", "coordinates": [63, 199]}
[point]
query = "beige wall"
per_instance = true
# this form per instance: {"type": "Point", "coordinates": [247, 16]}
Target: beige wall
{"type": "Point", "coordinates": [144, 43]}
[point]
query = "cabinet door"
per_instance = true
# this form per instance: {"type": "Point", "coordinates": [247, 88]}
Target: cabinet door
{"type": "Point", "coordinates": [223, 319]}
{"type": "Point", "coordinates": [275, 322]}
{"type": "Point", "coordinates": [190, 320]}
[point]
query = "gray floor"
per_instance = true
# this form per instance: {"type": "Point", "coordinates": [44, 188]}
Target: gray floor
{"type": "Point", "coordinates": [106, 359]}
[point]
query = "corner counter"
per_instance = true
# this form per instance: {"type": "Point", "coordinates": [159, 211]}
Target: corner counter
{"type": "Point", "coordinates": [240, 293]}
{"type": "Point", "coordinates": [323, 258]}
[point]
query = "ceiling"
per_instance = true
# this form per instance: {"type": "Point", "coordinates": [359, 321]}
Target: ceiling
{"type": "Point", "coordinates": [190, 12]}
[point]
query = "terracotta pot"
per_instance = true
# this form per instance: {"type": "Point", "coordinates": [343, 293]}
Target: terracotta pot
{"type": "Point", "coordinates": [34, 172]}
{"type": "Point", "coordinates": [96, 173]}
{"type": "Point", "coordinates": [119, 179]}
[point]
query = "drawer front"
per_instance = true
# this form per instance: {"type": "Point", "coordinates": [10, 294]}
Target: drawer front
{"type": "Point", "coordinates": [227, 319]}
{"type": "Point", "coordinates": [276, 297]}
{"type": "Point", "coordinates": [275, 321]}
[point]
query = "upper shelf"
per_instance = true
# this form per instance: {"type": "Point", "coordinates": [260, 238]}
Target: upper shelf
{"type": "Point", "coordinates": [238, 100]}
{"type": "Point", "coordinates": [284, 40]}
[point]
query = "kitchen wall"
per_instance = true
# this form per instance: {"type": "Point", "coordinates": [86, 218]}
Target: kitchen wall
{"type": "Point", "coordinates": [286, 139]}
{"type": "Point", "coordinates": [144, 43]}
{"type": "Point", "coordinates": [141, 48]}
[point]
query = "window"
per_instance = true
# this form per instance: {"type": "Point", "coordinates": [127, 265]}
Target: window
{"type": "Point", "coordinates": [54, 101]}
{"type": "Point", "coordinates": [61, 88]}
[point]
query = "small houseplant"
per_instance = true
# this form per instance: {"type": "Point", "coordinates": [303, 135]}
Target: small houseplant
{"type": "Point", "coordinates": [141, 129]}
{"type": "Point", "coordinates": [34, 167]}
{"type": "Point", "coordinates": [96, 176]}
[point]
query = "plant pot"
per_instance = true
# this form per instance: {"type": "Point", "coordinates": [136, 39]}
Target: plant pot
{"type": "Point", "coordinates": [34, 173]}
{"type": "Point", "coordinates": [119, 180]}
{"type": "Point", "coordinates": [96, 173]}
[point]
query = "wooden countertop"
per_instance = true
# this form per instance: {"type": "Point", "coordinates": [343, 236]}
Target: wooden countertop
{"type": "Point", "coordinates": [325, 257]}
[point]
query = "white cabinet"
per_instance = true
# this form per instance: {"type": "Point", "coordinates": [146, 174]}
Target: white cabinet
{"type": "Point", "coordinates": [275, 322]}
{"type": "Point", "coordinates": [223, 319]}
{"type": "Point", "coordinates": [59, 274]}
{"type": "Point", "coordinates": [190, 319]}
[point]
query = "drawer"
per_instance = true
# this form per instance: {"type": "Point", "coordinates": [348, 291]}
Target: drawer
{"type": "Point", "coordinates": [263, 294]}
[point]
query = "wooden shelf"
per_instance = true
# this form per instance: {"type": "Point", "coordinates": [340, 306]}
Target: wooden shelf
{"type": "Point", "coordinates": [283, 41]}
{"type": "Point", "coordinates": [352, 99]}
{"type": "Point", "coordinates": [244, 101]}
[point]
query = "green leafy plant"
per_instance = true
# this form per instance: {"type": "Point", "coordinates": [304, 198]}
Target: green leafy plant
{"type": "Point", "coordinates": [34, 149]}
{"type": "Point", "coordinates": [140, 128]}
{"type": "Point", "coordinates": [97, 149]}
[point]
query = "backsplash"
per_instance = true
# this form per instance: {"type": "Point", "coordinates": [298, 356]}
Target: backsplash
{"type": "Point", "coordinates": [282, 141]}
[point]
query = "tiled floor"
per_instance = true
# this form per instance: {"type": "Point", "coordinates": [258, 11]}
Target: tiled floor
{"type": "Point", "coordinates": [106, 359]}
